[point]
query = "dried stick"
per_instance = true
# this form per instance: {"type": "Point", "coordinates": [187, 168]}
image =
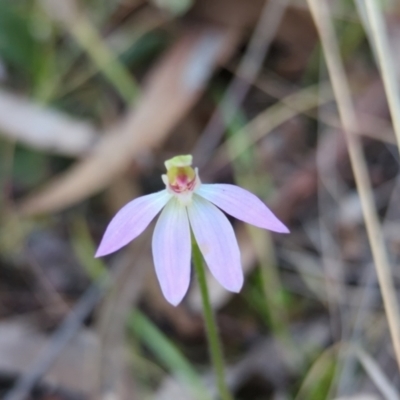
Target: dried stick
{"type": "Point", "coordinates": [181, 73]}
{"type": "Point", "coordinates": [380, 42]}
{"type": "Point", "coordinates": [320, 13]}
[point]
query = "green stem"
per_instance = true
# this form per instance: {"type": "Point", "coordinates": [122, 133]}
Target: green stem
{"type": "Point", "coordinates": [214, 342]}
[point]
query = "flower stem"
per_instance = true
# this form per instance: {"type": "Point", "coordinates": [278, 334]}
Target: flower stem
{"type": "Point", "coordinates": [214, 342]}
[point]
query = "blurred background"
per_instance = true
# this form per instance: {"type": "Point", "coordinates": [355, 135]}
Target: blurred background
{"type": "Point", "coordinates": [96, 94]}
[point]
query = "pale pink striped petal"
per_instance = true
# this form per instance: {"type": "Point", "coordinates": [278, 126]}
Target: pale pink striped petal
{"type": "Point", "coordinates": [172, 250]}
{"type": "Point", "coordinates": [242, 205]}
{"type": "Point", "coordinates": [131, 220]}
{"type": "Point", "coordinates": [217, 242]}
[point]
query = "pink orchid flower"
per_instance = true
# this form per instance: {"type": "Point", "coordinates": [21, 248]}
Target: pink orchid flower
{"type": "Point", "coordinates": [188, 205]}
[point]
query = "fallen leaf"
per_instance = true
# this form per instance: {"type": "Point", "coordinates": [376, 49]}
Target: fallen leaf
{"type": "Point", "coordinates": [172, 88]}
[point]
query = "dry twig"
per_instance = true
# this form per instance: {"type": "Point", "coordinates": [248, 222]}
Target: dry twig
{"type": "Point", "coordinates": [347, 113]}
{"type": "Point", "coordinates": [384, 58]}
{"type": "Point", "coordinates": [173, 87]}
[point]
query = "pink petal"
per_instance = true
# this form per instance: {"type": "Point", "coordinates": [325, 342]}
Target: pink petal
{"type": "Point", "coordinates": [172, 251]}
{"type": "Point", "coordinates": [216, 239]}
{"type": "Point", "coordinates": [130, 221]}
{"type": "Point", "coordinates": [242, 205]}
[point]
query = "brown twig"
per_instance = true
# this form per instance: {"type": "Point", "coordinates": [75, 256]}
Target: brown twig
{"type": "Point", "coordinates": [172, 89]}
{"type": "Point", "coordinates": [384, 58]}
{"type": "Point", "coordinates": [348, 117]}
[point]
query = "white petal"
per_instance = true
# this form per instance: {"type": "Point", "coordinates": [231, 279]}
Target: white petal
{"type": "Point", "coordinates": [172, 251]}
{"type": "Point", "coordinates": [131, 220]}
{"type": "Point", "coordinates": [242, 205]}
{"type": "Point", "coordinates": [217, 242]}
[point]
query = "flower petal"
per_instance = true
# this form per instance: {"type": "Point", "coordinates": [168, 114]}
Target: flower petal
{"type": "Point", "coordinates": [217, 242]}
{"type": "Point", "coordinates": [172, 250]}
{"type": "Point", "coordinates": [242, 205]}
{"type": "Point", "coordinates": [131, 220]}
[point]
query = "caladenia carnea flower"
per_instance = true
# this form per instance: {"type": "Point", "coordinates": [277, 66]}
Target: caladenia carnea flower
{"type": "Point", "coordinates": [187, 204]}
